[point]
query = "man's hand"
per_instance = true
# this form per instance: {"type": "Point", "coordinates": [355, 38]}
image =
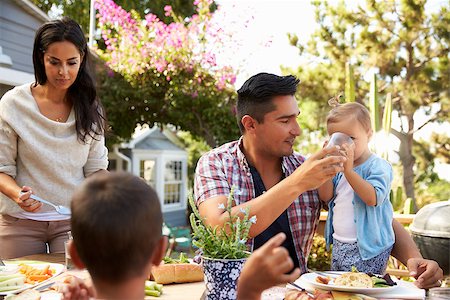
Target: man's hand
{"type": "Point", "coordinates": [266, 267]}
{"type": "Point", "coordinates": [427, 272]}
{"type": "Point", "coordinates": [318, 168]}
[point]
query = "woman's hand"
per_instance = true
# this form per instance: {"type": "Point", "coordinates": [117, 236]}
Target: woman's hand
{"type": "Point", "coordinates": [26, 203]}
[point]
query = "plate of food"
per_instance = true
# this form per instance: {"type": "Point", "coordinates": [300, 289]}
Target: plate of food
{"type": "Point", "coordinates": [354, 282]}
{"type": "Point", "coordinates": [21, 275]}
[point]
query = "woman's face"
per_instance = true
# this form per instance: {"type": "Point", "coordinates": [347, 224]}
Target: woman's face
{"type": "Point", "coordinates": [62, 62]}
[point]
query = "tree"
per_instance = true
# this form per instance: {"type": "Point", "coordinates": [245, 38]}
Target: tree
{"type": "Point", "coordinates": [172, 69]}
{"type": "Point", "coordinates": [79, 10]}
{"type": "Point", "coordinates": [407, 47]}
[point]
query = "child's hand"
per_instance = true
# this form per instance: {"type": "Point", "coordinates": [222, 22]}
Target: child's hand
{"type": "Point", "coordinates": [74, 288]}
{"type": "Point", "coordinates": [348, 152]}
{"type": "Point", "coordinates": [267, 266]}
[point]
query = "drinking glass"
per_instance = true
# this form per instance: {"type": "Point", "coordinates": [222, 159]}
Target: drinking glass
{"type": "Point", "coordinates": [439, 293]}
{"type": "Point", "coordinates": [338, 139]}
{"type": "Point", "coordinates": [69, 263]}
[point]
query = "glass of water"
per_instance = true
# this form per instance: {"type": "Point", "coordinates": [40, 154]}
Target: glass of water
{"type": "Point", "coordinates": [69, 263]}
{"type": "Point", "coordinates": [440, 293]}
{"type": "Point", "coordinates": [339, 139]}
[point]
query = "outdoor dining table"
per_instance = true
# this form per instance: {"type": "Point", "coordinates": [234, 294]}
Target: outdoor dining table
{"type": "Point", "coordinates": [186, 291]}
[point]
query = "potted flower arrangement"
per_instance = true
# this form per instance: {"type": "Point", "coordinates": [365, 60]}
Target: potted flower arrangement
{"type": "Point", "coordinates": [224, 249]}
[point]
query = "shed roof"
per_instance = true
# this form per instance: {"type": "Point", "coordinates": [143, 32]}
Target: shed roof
{"type": "Point", "coordinates": [155, 139]}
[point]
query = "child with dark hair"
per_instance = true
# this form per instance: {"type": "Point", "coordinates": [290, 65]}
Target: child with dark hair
{"type": "Point", "coordinates": [117, 233]}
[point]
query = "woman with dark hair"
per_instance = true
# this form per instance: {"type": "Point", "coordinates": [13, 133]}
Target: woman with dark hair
{"type": "Point", "coordinates": [51, 138]}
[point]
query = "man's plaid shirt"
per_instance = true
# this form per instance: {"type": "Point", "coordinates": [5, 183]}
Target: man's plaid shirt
{"type": "Point", "coordinates": [221, 168]}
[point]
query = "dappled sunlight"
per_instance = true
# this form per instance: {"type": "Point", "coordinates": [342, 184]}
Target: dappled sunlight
{"type": "Point", "coordinates": [385, 145]}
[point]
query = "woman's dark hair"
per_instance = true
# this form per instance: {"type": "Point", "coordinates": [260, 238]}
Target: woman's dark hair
{"type": "Point", "coordinates": [89, 113]}
{"type": "Point", "coordinates": [256, 94]}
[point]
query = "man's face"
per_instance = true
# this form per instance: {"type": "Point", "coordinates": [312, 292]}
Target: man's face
{"type": "Point", "coordinates": [276, 134]}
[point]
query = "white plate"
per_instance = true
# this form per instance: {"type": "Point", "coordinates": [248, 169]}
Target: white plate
{"type": "Point", "coordinates": [310, 278]}
{"type": "Point", "coordinates": [57, 269]}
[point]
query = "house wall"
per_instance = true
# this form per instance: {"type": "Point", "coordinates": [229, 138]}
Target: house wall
{"type": "Point", "coordinates": [17, 30]}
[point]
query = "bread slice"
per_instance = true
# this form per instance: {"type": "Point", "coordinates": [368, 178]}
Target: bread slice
{"type": "Point", "coordinates": [25, 295]}
{"type": "Point", "coordinates": [354, 279]}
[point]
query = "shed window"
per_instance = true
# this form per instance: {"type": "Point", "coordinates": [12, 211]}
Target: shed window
{"type": "Point", "coordinates": [173, 182]}
{"type": "Point", "coordinates": [148, 171]}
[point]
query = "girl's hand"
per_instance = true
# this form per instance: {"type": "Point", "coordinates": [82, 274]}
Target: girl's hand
{"type": "Point", "coordinates": [348, 152]}
{"type": "Point", "coordinates": [25, 202]}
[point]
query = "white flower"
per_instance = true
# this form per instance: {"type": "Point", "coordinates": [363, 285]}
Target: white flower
{"type": "Point", "coordinates": [232, 294]}
{"type": "Point", "coordinates": [242, 210]}
{"type": "Point", "coordinates": [234, 274]}
{"type": "Point", "coordinates": [223, 294]}
{"type": "Point", "coordinates": [253, 219]}
{"type": "Point", "coordinates": [221, 206]}
{"type": "Point", "coordinates": [219, 266]}
{"type": "Point", "coordinates": [243, 241]}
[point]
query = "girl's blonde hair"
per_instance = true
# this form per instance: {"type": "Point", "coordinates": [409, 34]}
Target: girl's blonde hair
{"type": "Point", "coordinates": [341, 112]}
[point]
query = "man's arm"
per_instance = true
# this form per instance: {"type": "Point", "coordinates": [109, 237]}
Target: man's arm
{"type": "Point", "coordinates": [270, 205]}
{"type": "Point", "coordinates": [427, 272]}
{"type": "Point", "coordinates": [326, 191]}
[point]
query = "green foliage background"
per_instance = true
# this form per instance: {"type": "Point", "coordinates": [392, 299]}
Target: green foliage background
{"type": "Point", "coordinates": [407, 46]}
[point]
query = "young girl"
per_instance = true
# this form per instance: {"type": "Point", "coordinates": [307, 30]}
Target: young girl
{"type": "Point", "coordinates": [359, 223]}
{"type": "Point", "coordinates": [51, 138]}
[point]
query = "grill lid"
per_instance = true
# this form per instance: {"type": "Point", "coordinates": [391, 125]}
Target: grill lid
{"type": "Point", "coordinates": [433, 220]}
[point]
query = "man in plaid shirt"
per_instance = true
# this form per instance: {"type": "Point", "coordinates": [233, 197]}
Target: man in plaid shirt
{"type": "Point", "coordinates": [276, 184]}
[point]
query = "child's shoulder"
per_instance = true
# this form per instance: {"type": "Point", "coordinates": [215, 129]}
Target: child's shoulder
{"type": "Point", "coordinates": [376, 160]}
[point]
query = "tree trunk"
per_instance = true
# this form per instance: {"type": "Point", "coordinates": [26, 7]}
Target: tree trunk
{"type": "Point", "coordinates": [408, 160]}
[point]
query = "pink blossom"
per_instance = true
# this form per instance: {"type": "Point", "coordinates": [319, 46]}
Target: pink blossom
{"type": "Point", "coordinates": [168, 10]}
{"type": "Point", "coordinates": [149, 46]}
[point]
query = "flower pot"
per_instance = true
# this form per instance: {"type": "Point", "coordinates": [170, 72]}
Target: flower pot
{"type": "Point", "coordinates": [221, 277]}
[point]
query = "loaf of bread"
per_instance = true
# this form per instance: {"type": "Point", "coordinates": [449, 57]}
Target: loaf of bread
{"type": "Point", "coordinates": [354, 279]}
{"type": "Point", "coordinates": [177, 273]}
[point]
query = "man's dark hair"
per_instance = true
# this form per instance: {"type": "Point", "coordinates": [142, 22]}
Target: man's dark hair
{"type": "Point", "coordinates": [256, 94]}
{"type": "Point", "coordinates": [116, 225]}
